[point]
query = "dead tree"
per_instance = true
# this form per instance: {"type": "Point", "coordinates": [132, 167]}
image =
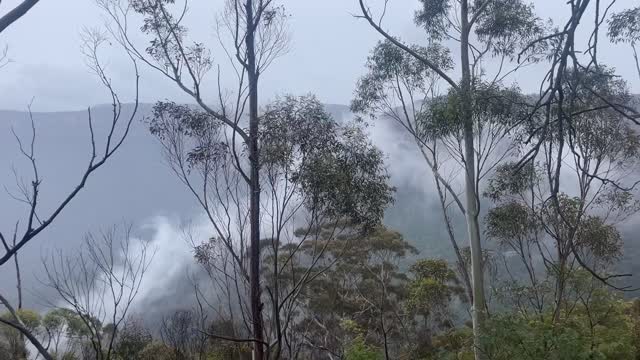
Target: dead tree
{"type": "Point", "coordinates": [35, 221]}
{"type": "Point", "coordinates": [99, 283]}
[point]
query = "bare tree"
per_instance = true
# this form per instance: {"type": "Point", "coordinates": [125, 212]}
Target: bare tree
{"type": "Point", "coordinates": [100, 283]}
{"type": "Point", "coordinates": [36, 222]}
{"type": "Point", "coordinates": [182, 333]}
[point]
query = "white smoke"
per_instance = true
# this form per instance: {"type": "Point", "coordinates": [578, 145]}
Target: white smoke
{"type": "Point", "coordinates": [171, 243]}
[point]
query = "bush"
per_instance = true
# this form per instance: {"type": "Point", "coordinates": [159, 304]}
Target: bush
{"type": "Point", "coordinates": [359, 350]}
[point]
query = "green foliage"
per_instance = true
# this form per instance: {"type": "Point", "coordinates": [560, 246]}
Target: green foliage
{"type": "Point", "coordinates": [454, 344]}
{"type": "Point", "coordinates": [600, 330]}
{"type": "Point", "coordinates": [510, 25]}
{"type": "Point", "coordinates": [30, 318]}
{"type": "Point", "coordinates": [156, 351]}
{"type": "Point", "coordinates": [510, 221]}
{"type": "Point", "coordinates": [75, 327]}
{"type": "Point", "coordinates": [509, 179]}
{"type": "Point", "coordinates": [432, 288]}
{"type": "Point", "coordinates": [11, 340]}
{"type": "Point", "coordinates": [595, 323]}
{"type": "Point", "coordinates": [339, 172]}
{"type": "Point", "coordinates": [494, 107]}
{"type": "Point", "coordinates": [512, 337]}
{"type": "Point", "coordinates": [131, 340]}
{"type": "Point", "coordinates": [54, 320]}
{"type": "Point", "coordinates": [359, 350]}
{"type": "Point", "coordinates": [387, 67]}
{"type": "Point", "coordinates": [432, 15]}
{"type": "Point", "coordinates": [362, 295]}
{"type": "Point", "coordinates": [625, 26]}
{"type": "Point", "coordinates": [505, 25]}
{"type": "Point", "coordinates": [334, 167]}
{"type": "Point", "coordinates": [366, 265]}
{"type": "Point", "coordinates": [592, 235]}
{"type": "Point", "coordinates": [602, 240]}
{"type": "Point", "coordinates": [183, 128]}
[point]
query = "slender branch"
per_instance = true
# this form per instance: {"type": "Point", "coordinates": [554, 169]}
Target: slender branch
{"type": "Point", "coordinates": [20, 326]}
{"type": "Point", "coordinates": [16, 13]}
{"type": "Point", "coordinates": [367, 16]}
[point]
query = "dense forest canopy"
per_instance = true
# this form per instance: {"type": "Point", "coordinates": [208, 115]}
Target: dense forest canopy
{"type": "Point", "coordinates": [307, 250]}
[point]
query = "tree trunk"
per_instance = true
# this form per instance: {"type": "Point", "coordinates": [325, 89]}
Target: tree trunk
{"type": "Point", "coordinates": [23, 346]}
{"type": "Point", "coordinates": [478, 311]}
{"type": "Point", "coordinates": [254, 188]}
{"type": "Point", "coordinates": [560, 284]}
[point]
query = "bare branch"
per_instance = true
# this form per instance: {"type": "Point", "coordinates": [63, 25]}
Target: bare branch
{"type": "Point", "coordinates": [16, 13]}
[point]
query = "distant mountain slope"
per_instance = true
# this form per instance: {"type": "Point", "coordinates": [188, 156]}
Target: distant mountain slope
{"type": "Point", "coordinates": [136, 186]}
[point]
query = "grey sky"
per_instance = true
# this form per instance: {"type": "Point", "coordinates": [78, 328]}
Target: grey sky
{"type": "Point", "coordinates": [328, 51]}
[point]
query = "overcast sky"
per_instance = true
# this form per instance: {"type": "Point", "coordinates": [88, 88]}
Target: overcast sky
{"type": "Point", "coordinates": [329, 48]}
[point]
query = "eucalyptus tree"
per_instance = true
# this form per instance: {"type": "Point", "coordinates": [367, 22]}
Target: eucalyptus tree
{"type": "Point", "coordinates": [363, 295]}
{"type": "Point", "coordinates": [581, 223]}
{"type": "Point", "coordinates": [252, 34]}
{"type": "Point", "coordinates": [64, 329]}
{"type": "Point", "coordinates": [624, 28]}
{"type": "Point", "coordinates": [572, 74]}
{"type": "Point", "coordinates": [402, 88]}
{"type": "Point", "coordinates": [316, 173]}
{"type": "Point", "coordinates": [431, 289]}
{"type": "Point", "coordinates": [11, 340]}
{"type": "Point", "coordinates": [501, 28]}
{"type": "Point", "coordinates": [367, 298]}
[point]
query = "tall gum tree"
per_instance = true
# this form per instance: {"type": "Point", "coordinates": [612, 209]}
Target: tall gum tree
{"type": "Point", "coordinates": [483, 29]}
{"type": "Point", "coordinates": [252, 34]}
{"type": "Point", "coordinates": [316, 174]}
